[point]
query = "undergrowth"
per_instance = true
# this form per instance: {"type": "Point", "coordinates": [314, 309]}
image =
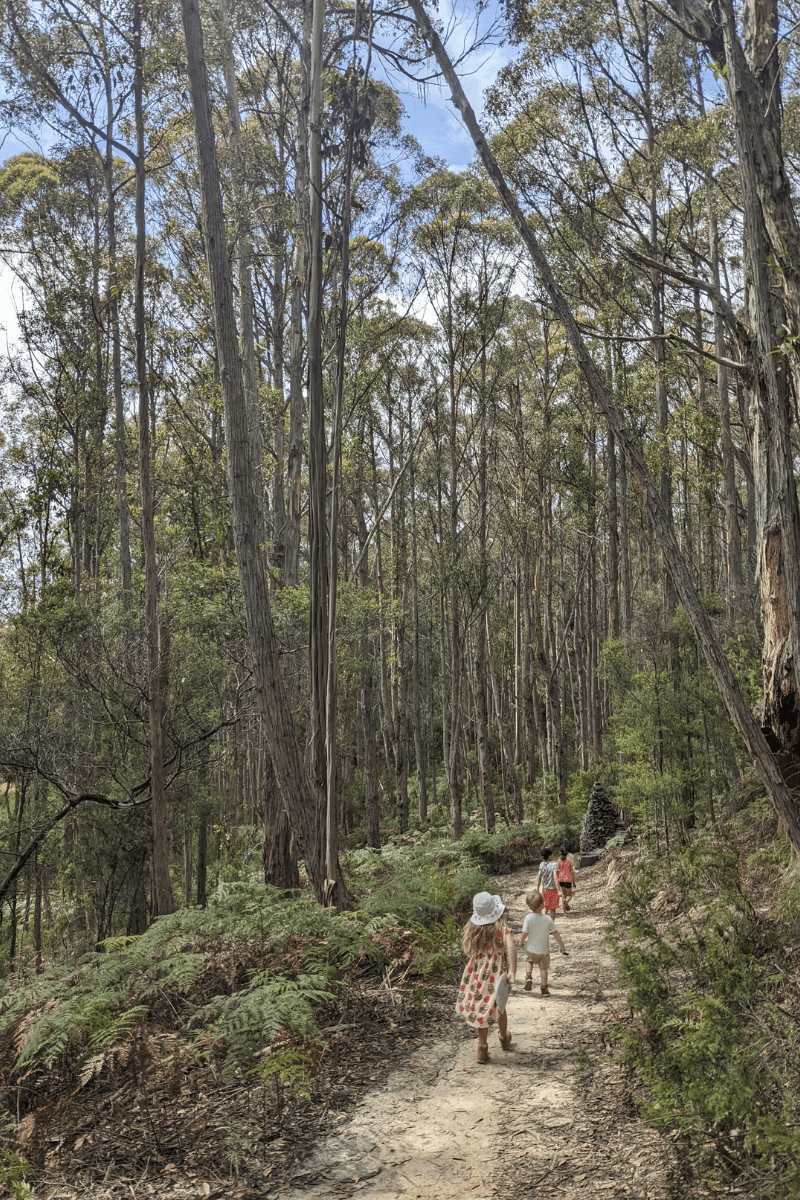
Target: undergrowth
{"type": "Point", "coordinates": [423, 880]}
{"type": "Point", "coordinates": [75, 1012]}
{"type": "Point", "coordinates": [252, 974]}
{"type": "Point", "coordinates": [242, 997]}
{"type": "Point", "coordinates": [714, 1000]}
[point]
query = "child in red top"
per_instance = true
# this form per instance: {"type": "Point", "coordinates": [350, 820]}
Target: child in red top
{"type": "Point", "coordinates": [489, 945]}
{"type": "Point", "coordinates": [566, 877]}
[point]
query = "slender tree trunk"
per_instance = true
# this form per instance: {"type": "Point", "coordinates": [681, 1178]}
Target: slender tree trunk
{"type": "Point", "coordinates": [294, 787]}
{"type": "Point", "coordinates": [243, 268]}
{"type": "Point", "coordinates": [613, 538]}
{"type": "Point", "coordinates": [201, 897]}
{"type": "Point", "coordinates": [187, 862]}
{"type": "Point", "coordinates": [733, 541]}
{"type": "Point", "coordinates": [454, 618]}
{"type": "Point", "coordinates": [319, 582]}
{"type": "Point", "coordinates": [512, 783]}
{"type": "Point", "coordinates": [371, 807]}
{"type": "Point", "coordinates": [291, 568]}
{"type": "Point", "coordinates": [416, 690]}
{"type": "Point", "coordinates": [482, 728]}
{"type": "Point", "coordinates": [157, 638]}
{"type": "Point", "coordinates": [38, 872]}
{"type": "Point", "coordinates": [123, 508]}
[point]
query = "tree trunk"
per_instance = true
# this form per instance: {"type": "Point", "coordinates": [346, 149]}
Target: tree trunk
{"type": "Point", "coordinates": [278, 854]}
{"type": "Point", "coordinates": [294, 787]}
{"type": "Point", "coordinates": [613, 538]}
{"type": "Point", "coordinates": [113, 290]}
{"type": "Point", "coordinates": [291, 565]}
{"type": "Point", "coordinates": [419, 733]}
{"type": "Point", "coordinates": [157, 637]}
{"type": "Point", "coordinates": [482, 728]}
{"type": "Point", "coordinates": [317, 441]}
{"type": "Point", "coordinates": [37, 917]}
{"type": "Point", "coordinates": [243, 268]}
{"type": "Point", "coordinates": [512, 779]}
{"type": "Point", "coordinates": [202, 862]}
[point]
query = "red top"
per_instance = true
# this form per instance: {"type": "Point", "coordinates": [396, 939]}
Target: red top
{"type": "Point", "coordinates": [565, 871]}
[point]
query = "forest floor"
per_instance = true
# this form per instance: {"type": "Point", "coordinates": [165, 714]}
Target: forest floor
{"type": "Point", "coordinates": [412, 1116]}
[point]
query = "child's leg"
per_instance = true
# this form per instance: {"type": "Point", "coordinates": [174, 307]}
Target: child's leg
{"type": "Point", "coordinates": [502, 1023]}
{"type": "Point", "coordinates": [543, 974]}
{"type": "Point", "coordinates": [483, 1047]}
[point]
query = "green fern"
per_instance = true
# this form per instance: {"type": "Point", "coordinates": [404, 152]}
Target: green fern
{"type": "Point", "coordinates": [243, 1024]}
{"type": "Point", "coordinates": [90, 1020]}
{"type": "Point", "coordinates": [110, 944]}
{"type": "Point", "coordinates": [13, 1170]}
{"type": "Point", "coordinates": [78, 1012]}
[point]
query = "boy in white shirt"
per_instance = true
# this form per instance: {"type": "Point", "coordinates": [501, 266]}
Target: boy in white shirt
{"type": "Point", "coordinates": [536, 930]}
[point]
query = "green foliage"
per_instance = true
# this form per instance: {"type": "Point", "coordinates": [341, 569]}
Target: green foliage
{"type": "Point", "coordinates": [289, 1068]}
{"type": "Point", "coordinates": [416, 884]}
{"type": "Point", "coordinates": [13, 1170]}
{"type": "Point", "coordinates": [252, 1017]}
{"type": "Point", "coordinates": [75, 1012]}
{"type": "Point", "coordinates": [670, 742]}
{"type": "Point", "coordinates": [90, 1021]}
{"type": "Point", "coordinates": [440, 948]}
{"type": "Point", "coordinates": [708, 1034]}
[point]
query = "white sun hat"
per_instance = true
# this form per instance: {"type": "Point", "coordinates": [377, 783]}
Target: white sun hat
{"type": "Point", "coordinates": [486, 908]}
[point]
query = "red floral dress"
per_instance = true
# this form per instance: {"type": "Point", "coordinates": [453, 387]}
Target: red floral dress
{"type": "Point", "coordinates": [476, 1001]}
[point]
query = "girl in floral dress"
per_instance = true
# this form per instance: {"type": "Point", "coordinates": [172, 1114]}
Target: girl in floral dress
{"type": "Point", "coordinates": [489, 946]}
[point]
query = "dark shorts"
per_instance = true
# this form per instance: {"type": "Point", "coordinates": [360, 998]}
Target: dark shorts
{"type": "Point", "coordinates": [568, 886]}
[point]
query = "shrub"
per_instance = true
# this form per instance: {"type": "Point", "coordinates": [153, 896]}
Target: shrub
{"type": "Point", "coordinates": [708, 1033]}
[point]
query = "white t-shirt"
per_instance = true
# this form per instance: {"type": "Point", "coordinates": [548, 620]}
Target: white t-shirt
{"type": "Point", "coordinates": [537, 927]}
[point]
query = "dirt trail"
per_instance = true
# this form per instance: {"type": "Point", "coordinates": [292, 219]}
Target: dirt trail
{"type": "Point", "coordinates": [443, 1127]}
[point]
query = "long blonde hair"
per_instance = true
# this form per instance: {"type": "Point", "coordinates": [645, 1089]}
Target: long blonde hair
{"type": "Point", "coordinates": [479, 939]}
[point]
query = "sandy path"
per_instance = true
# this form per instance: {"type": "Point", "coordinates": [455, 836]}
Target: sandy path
{"type": "Point", "coordinates": [443, 1127]}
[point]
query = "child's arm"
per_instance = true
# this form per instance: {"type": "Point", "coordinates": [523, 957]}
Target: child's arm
{"type": "Point", "coordinates": [554, 933]}
{"type": "Point", "coordinates": [539, 882]}
{"type": "Point", "coordinates": [511, 951]}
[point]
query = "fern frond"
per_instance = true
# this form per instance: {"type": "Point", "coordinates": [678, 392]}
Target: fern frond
{"type": "Point", "coordinates": [92, 1067]}
{"type": "Point", "coordinates": [110, 944]}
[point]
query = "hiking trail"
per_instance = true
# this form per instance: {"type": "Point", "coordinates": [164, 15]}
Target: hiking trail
{"type": "Point", "coordinates": [441, 1127]}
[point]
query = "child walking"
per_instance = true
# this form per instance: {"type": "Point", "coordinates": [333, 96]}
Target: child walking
{"type": "Point", "coordinates": [566, 877]}
{"type": "Point", "coordinates": [547, 882]}
{"type": "Point", "coordinates": [489, 946]}
{"type": "Point", "coordinates": [536, 930]}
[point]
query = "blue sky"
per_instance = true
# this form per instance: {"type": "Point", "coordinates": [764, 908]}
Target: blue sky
{"type": "Point", "coordinates": [433, 119]}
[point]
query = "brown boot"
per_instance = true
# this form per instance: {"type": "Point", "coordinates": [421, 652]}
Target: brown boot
{"type": "Point", "coordinates": [505, 1041]}
{"type": "Point", "coordinates": [483, 1054]}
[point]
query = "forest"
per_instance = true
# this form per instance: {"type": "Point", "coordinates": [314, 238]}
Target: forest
{"type": "Point", "coordinates": [358, 514]}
